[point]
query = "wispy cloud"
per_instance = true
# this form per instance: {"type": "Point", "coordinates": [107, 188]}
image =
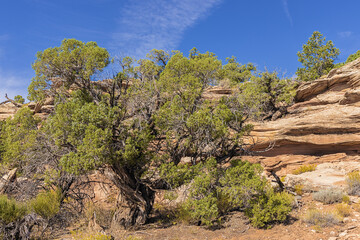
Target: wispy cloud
{"type": "Point", "coordinates": [345, 34]}
{"type": "Point", "coordinates": [160, 24]}
{"type": "Point", "coordinates": [287, 12]}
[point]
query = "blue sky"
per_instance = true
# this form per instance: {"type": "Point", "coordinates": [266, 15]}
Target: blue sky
{"type": "Point", "coordinates": [268, 33]}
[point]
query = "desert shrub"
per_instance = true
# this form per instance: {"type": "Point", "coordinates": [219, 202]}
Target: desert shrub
{"type": "Point", "coordinates": [46, 204]}
{"type": "Point", "coordinates": [266, 93]}
{"type": "Point", "coordinates": [321, 218]}
{"type": "Point", "coordinates": [298, 188]}
{"type": "Point", "coordinates": [17, 138]}
{"type": "Point", "coordinates": [182, 214]}
{"type": "Point", "coordinates": [19, 99]}
{"type": "Point", "coordinates": [10, 210]}
{"type": "Point", "coordinates": [269, 208]}
{"type": "Point", "coordinates": [202, 203]}
{"type": "Point", "coordinates": [215, 191]}
{"type": "Point", "coordinates": [177, 175]}
{"type": "Point", "coordinates": [343, 210]}
{"type": "Point", "coordinates": [353, 183]}
{"type": "Point", "coordinates": [282, 178]}
{"type": "Point", "coordinates": [79, 235]}
{"type": "Point", "coordinates": [346, 199]}
{"type": "Point", "coordinates": [328, 196]}
{"type": "Point", "coordinates": [305, 168]}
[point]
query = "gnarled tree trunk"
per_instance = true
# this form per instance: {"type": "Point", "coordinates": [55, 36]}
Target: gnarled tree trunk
{"type": "Point", "coordinates": [135, 199]}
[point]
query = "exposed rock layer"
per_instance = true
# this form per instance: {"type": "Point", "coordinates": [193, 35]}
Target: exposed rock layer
{"type": "Point", "coordinates": [322, 126]}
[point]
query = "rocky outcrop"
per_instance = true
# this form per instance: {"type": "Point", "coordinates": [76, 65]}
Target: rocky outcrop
{"type": "Point", "coordinates": [322, 126]}
{"type": "Point", "coordinates": [7, 110]}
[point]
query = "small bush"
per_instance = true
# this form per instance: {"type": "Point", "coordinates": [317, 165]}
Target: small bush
{"type": "Point", "coordinates": [46, 204]}
{"type": "Point", "coordinates": [305, 168]}
{"type": "Point", "coordinates": [79, 235]}
{"type": "Point", "coordinates": [343, 210]}
{"type": "Point", "coordinates": [10, 210]}
{"type": "Point", "coordinates": [346, 199]}
{"type": "Point", "coordinates": [328, 196]}
{"type": "Point", "coordinates": [353, 182]}
{"type": "Point", "coordinates": [215, 191]}
{"type": "Point", "coordinates": [321, 218]}
{"type": "Point", "coordinates": [298, 188]}
{"type": "Point", "coordinates": [282, 178]}
{"type": "Point", "coordinates": [269, 208]}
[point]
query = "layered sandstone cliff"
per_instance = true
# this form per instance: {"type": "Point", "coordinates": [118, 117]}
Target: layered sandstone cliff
{"type": "Point", "coordinates": [322, 126]}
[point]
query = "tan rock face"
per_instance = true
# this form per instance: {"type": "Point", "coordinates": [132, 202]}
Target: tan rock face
{"type": "Point", "coordinates": [322, 126]}
{"type": "Point", "coordinates": [7, 110]}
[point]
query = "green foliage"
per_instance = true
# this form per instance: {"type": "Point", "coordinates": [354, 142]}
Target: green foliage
{"type": "Point", "coordinates": [304, 168]}
{"type": "Point", "coordinates": [177, 175]}
{"type": "Point", "coordinates": [216, 191]}
{"type": "Point", "coordinates": [202, 203]}
{"type": "Point", "coordinates": [85, 126]}
{"type": "Point", "coordinates": [190, 124]}
{"type": "Point", "coordinates": [328, 196]}
{"type": "Point", "coordinates": [266, 93]}
{"type": "Point", "coordinates": [345, 199]}
{"type": "Point", "coordinates": [317, 57]}
{"type": "Point", "coordinates": [80, 235]}
{"type": "Point", "coordinates": [353, 57]}
{"type": "Point", "coordinates": [241, 182]}
{"type": "Point", "coordinates": [269, 208]}
{"type": "Point", "coordinates": [235, 72]}
{"type": "Point", "coordinates": [74, 62]}
{"type": "Point", "coordinates": [10, 210]}
{"type": "Point", "coordinates": [46, 204]}
{"type": "Point", "coordinates": [19, 99]}
{"type": "Point", "coordinates": [298, 189]}
{"type": "Point", "coordinates": [18, 135]}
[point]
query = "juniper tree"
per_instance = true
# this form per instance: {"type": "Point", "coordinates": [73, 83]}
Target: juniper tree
{"type": "Point", "coordinates": [317, 57]}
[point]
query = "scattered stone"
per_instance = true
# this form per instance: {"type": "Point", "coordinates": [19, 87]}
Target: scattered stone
{"type": "Point", "coordinates": [351, 227]}
{"type": "Point", "coordinates": [343, 234]}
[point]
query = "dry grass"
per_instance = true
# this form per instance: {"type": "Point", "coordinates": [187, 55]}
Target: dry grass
{"type": "Point", "coordinates": [343, 210]}
{"type": "Point", "coordinates": [304, 168]}
{"type": "Point", "coordinates": [321, 218]}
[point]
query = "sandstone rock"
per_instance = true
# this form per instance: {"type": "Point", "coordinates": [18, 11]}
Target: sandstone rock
{"type": "Point", "coordinates": [7, 110]}
{"type": "Point", "coordinates": [322, 126]}
{"type": "Point", "coordinates": [326, 175]}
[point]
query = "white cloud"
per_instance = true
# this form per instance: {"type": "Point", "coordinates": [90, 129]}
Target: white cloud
{"type": "Point", "coordinates": [287, 12]}
{"type": "Point", "coordinates": [345, 34]}
{"type": "Point", "coordinates": [160, 24]}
